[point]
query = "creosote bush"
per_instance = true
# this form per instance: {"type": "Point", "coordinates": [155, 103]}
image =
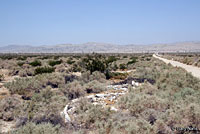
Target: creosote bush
{"type": "Point", "coordinates": [41, 70]}
{"type": "Point", "coordinates": [36, 63]}
{"type": "Point", "coordinates": [54, 62]}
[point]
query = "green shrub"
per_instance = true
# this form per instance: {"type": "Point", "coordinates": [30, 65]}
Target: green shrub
{"type": "Point", "coordinates": [7, 57]}
{"type": "Point", "coordinates": [20, 63]}
{"type": "Point", "coordinates": [22, 58]}
{"type": "Point", "coordinates": [1, 77]}
{"type": "Point", "coordinates": [111, 59]}
{"type": "Point", "coordinates": [76, 68]}
{"type": "Point", "coordinates": [95, 65]}
{"type": "Point", "coordinates": [70, 61]}
{"type": "Point", "coordinates": [41, 70]}
{"type": "Point", "coordinates": [55, 62]}
{"type": "Point", "coordinates": [132, 61]}
{"type": "Point", "coordinates": [117, 75]}
{"type": "Point", "coordinates": [122, 66]}
{"type": "Point", "coordinates": [35, 63]}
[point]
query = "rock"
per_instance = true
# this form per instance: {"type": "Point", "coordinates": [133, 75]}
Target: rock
{"type": "Point", "coordinates": [135, 83]}
{"type": "Point", "coordinates": [65, 112]}
{"type": "Point", "coordinates": [113, 108]}
{"type": "Point", "coordinates": [101, 95]}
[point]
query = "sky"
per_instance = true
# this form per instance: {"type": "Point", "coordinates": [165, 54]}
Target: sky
{"type": "Point", "coordinates": [50, 22]}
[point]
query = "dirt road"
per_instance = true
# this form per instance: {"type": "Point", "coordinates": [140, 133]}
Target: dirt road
{"type": "Point", "coordinates": [192, 69]}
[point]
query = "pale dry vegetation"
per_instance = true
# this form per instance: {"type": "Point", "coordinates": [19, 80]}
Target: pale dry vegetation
{"type": "Point", "coordinates": [167, 96]}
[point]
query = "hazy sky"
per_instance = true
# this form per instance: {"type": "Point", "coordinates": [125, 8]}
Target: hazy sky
{"type": "Point", "coordinates": [43, 22]}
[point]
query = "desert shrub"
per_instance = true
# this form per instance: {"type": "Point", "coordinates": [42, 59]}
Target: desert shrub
{"type": "Point", "coordinates": [140, 102]}
{"type": "Point", "coordinates": [32, 128]}
{"type": "Point", "coordinates": [23, 86]}
{"type": "Point", "coordinates": [95, 87]}
{"type": "Point", "coordinates": [27, 86]}
{"type": "Point", "coordinates": [70, 78]}
{"type": "Point", "coordinates": [73, 90]}
{"type": "Point", "coordinates": [20, 63]}
{"type": "Point", "coordinates": [111, 59]}
{"type": "Point", "coordinates": [45, 57]}
{"type": "Point", "coordinates": [124, 123]}
{"type": "Point", "coordinates": [76, 68]}
{"type": "Point", "coordinates": [117, 75]}
{"type": "Point", "coordinates": [22, 58]}
{"type": "Point", "coordinates": [26, 72]}
{"type": "Point", "coordinates": [132, 61]}
{"type": "Point", "coordinates": [7, 57]}
{"type": "Point", "coordinates": [53, 80]}
{"type": "Point", "coordinates": [60, 68]}
{"type": "Point", "coordinates": [55, 62]}
{"type": "Point", "coordinates": [87, 77]}
{"type": "Point", "coordinates": [95, 65]}
{"type": "Point", "coordinates": [1, 77]}
{"type": "Point", "coordinates": [35, 63]}
{"type": "Point", "coordinates": [14, 71]}
{"type": "Point", "coordinates": [115, 67]}
{"type": "Point", "coordinates": [41, 70]}
{"type": "Point", "coordinates": [122, 66]}
{"type": "Point", "coordinates": [90, 114]}
{"type": "Point", "coordinates": [45, 107]}
{"type": "Point", "coordinates": [10, 108]}
{"type": "Point", "coordinates": [70, 61]}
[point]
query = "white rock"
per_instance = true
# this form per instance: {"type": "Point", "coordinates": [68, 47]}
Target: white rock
{"type": "Point", "coordinates": [135, 83]}
{"type": "Point", "coordinates": [101, 95]}
{"type": "Point", "coordinates": [113, 109]}
{"type": "Point", "coordinates": [65, 111]}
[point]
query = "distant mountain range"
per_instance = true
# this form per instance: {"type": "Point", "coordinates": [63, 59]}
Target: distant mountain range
{"type": "Point", "coordinates": [103, 48]}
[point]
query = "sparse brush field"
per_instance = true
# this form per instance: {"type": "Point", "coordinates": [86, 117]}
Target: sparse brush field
{"type": "Point", "coordinates": [40, 86]}
{"type": "Point", "coordinates": [186, 58]}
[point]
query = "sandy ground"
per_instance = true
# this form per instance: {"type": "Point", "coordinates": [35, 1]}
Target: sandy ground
{"type": "Point", "coordinates": [192, 69]}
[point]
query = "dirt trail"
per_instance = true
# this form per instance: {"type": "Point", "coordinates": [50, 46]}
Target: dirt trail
{"type": "Point", "coordinates": [192, 69]}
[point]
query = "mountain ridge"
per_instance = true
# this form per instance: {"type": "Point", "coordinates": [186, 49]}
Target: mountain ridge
{"type": "Point", "coordinates": [90, 47]}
